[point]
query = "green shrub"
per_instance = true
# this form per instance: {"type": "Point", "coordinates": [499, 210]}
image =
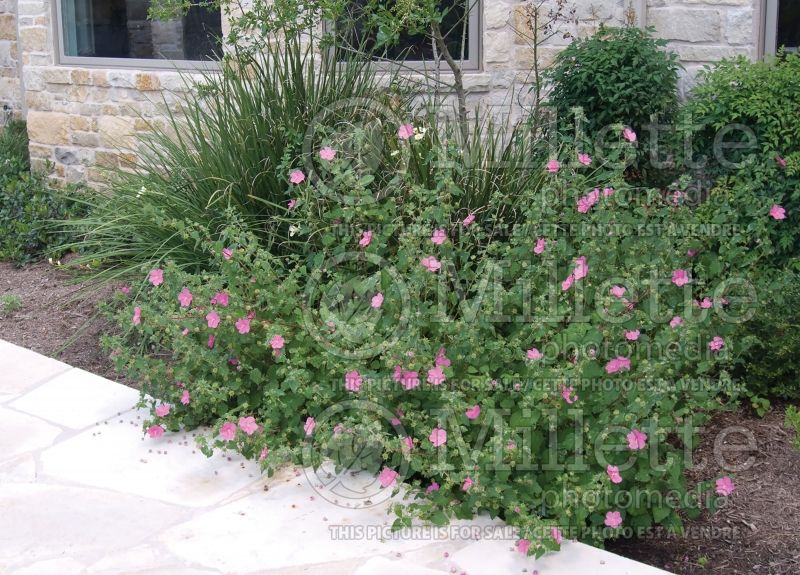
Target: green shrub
{"type": "Point", "coordinates": [771, 363]}
{"type": "Point", "coordinates": [587, 304]}
{"type": "Point", "coordinates": [29, 212]}
{"type": "Point", "coordinates": [618, 75]}
{"type": "Point", "coordinates": [13, 150]}
{"type": "Point", "coordinates": [762, 97]}
{"type": "Point", "coordinates": [28, 207]}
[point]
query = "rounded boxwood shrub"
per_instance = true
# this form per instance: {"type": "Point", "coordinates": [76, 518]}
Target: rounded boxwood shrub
{"type": "Point", "coordinates": [618, 75]}
{"type": "Point", "coordinates": [547, 373]}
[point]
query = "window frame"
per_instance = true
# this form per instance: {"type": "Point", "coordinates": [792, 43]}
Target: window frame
{"type": "Point", "coordinates": [770, 9]}
{"type": "Point", "coordinates": [475, 43]}
{"type": "Point", "coordinates": [156, 64]}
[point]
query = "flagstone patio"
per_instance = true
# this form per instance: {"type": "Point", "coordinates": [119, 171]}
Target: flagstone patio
{"type": "Point", "coordinates": [83, 492]}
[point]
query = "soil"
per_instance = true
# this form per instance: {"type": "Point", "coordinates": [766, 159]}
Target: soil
{"type": "Point", "coordinates": [756, 533]}
{"type": "Point", "coordinates": [56, 317]}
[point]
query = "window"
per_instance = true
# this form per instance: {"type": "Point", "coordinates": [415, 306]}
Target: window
{"type": "Point", "coordinates": [93, 31]}
{"type": "Point", "coordinates": [462, 21]}
{"type": "Point", "coordinates": [782, 26]}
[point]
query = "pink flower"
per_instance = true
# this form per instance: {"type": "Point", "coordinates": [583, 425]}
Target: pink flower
{"type": "Point", "coordinates": [439, 237]}
{"type": "Point", "coordinates": [263, 455]}
{"type": "Point", "coordinates": [569, 395]}
{"type": "Point", "coordinates": [716, 343]}
{"type": "Point", "coordinates": [366, 238]}
{"type": "Point", "coordinates": [777, 212]}
{"type": "Point", "coordinates": [405, 131]}
{"type": "Point", "coordinates": [185, 331]}
{"type": "Point", "coordinates": [212, 318]}
{"type": "Point", "coordinates": [387, 477]}
{"type": "Point", "coordinates": [436, 376]}
{"type": "Point", "coordinates": [162, 410]}
{"type": "Point", "coordinates": [781, 162]}
{"type": "Point", "coordinates": [309, 425]}
{"type": "Point", "coordinates": [220, 298]}
{"type": "Point", "coordinates": [327, 153]}
{"type": "Point", "coordinates": [473, 412]}
{"type": "Point", "coordinates": [691, 253]}
{"type": "Point", "coordinates": [441, 359]}
{"type": "Point", "coordinates": [185, 397]}
{"type": "Point", "coordinates": [157, 277]}
{"type": "Point", "coordinates": [431, 264]}
{"type": "Point", "coordinates": [613, 474]}
{"type": "Point", "coordinates": [125, 289]}
{"type": "Point", "coordinates": [297, 177]}
{"type": "Point", "coordinates": [185, 297]}
{"type": "Point", "coordinates": [409, 380]}
{"type": "Point", "coordinates": [629, 135]}
{"type": "Point", "coordinates": [619, 363]}
{"type": "Point", "coordinates": [227, 431]}
{"type": "Point", "coordinates": [468, 220]}
{"type": "Point", "coordinates": [353, 381]}
{"type": "Point", "coordinates": [538, 249]}
{"type": "Point", "coordinates": [725, 486]}
{"type": "Point", "coordinates": [613, 519]}
{"type": "Point", "coordinates": [632, 335]}
{"type": "Point", "coordinates": [432, 487]}
{"type": "Point", "coordinates": [211, 340]}
{"type": "Point", "coordinates": [438, 436]}
{"type": "Point", "coordinates": [523, 545]}
{"type": "Point", "coordinates": [553, 166]}
{"type": "Point", "coordinates": [584, 159]}
{"type": "Point", "coordinates": [680, 277]}
{"type": "Point", "coordinates": [567, 283]}
{"type": "Point", "coordinates": [636, 439]}
{"type": "Point", "coordinates": [243, 325]}
{"type": "Point", "coordinates": [277, 342]}
{"type": "Point", "coordinates": [155, 431]}
{"type": "Point", "coordinates": [468, 483]}
{"type": "Point", "coordinates": [377, 300]}
{"type": "Point", "coordinates": [534, 354]}
{"type": "Point", "coordinates": [675, 321]}
{"type": "Point", "coordinates": [707, 303]}
{"type": "Point", "coordinates": [408, 442]}
{"type": "Point", "coordinates": [227, 253]}
{"type": "Point", "coordinates": [581, 269]}
{"type": "Point", "coordinates": [291, 204]}
{"type": "Point", "coordinates": [608, 192]}
{"type": "Point", "coordinates": [617, 291]}
{"type": "Point", "coordinates": [248, 425]}
{"type": "Point", "coordinates": [137, 315]}
{"type": "Point", "coordinates": [555, 532]}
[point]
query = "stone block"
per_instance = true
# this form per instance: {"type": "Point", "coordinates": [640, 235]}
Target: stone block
{"type": "Point", "coordinates": [115, 131]}
{"type": "Point", "coordinates": [688, 25]}
{"type": "Point", "coordinates": [48, 127]}
{"type": "Point", "coordinates": [8, 27]}
{"type": "Point", "coordinates": [33, 39]}
{"type": "Point", "coordinates": [739, 27]}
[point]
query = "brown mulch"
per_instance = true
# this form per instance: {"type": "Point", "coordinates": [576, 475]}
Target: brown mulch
{"type": "Point", "coordinates": [51, 321]}
{"type": "Point", "coordinates": [757, 533]}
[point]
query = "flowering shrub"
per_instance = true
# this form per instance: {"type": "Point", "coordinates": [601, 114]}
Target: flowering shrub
{"type": "Point", "coordinates": [538, 370]}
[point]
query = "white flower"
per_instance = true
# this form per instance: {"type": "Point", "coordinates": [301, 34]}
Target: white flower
{"type": "Point", "coordinates": [293, 230]}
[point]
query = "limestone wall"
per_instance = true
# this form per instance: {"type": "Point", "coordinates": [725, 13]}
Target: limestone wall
{"type": "Point", "coordinates": [10, 90]}
{"type": "Point", "coordinates": [77, 116]}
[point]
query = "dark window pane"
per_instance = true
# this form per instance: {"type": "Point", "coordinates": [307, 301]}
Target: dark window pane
{"type": "Point", "coordinates": [120, 29]}
{"type": "Point", "coordinates": [455, 27]}
{"type": "Point", "coordinates": [789, 23]}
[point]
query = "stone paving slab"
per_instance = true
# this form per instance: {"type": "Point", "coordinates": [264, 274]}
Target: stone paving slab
{"type": "Point", "coordinates": [83, 492]}
{"type": "Point", "coordinates": [22, 369]}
